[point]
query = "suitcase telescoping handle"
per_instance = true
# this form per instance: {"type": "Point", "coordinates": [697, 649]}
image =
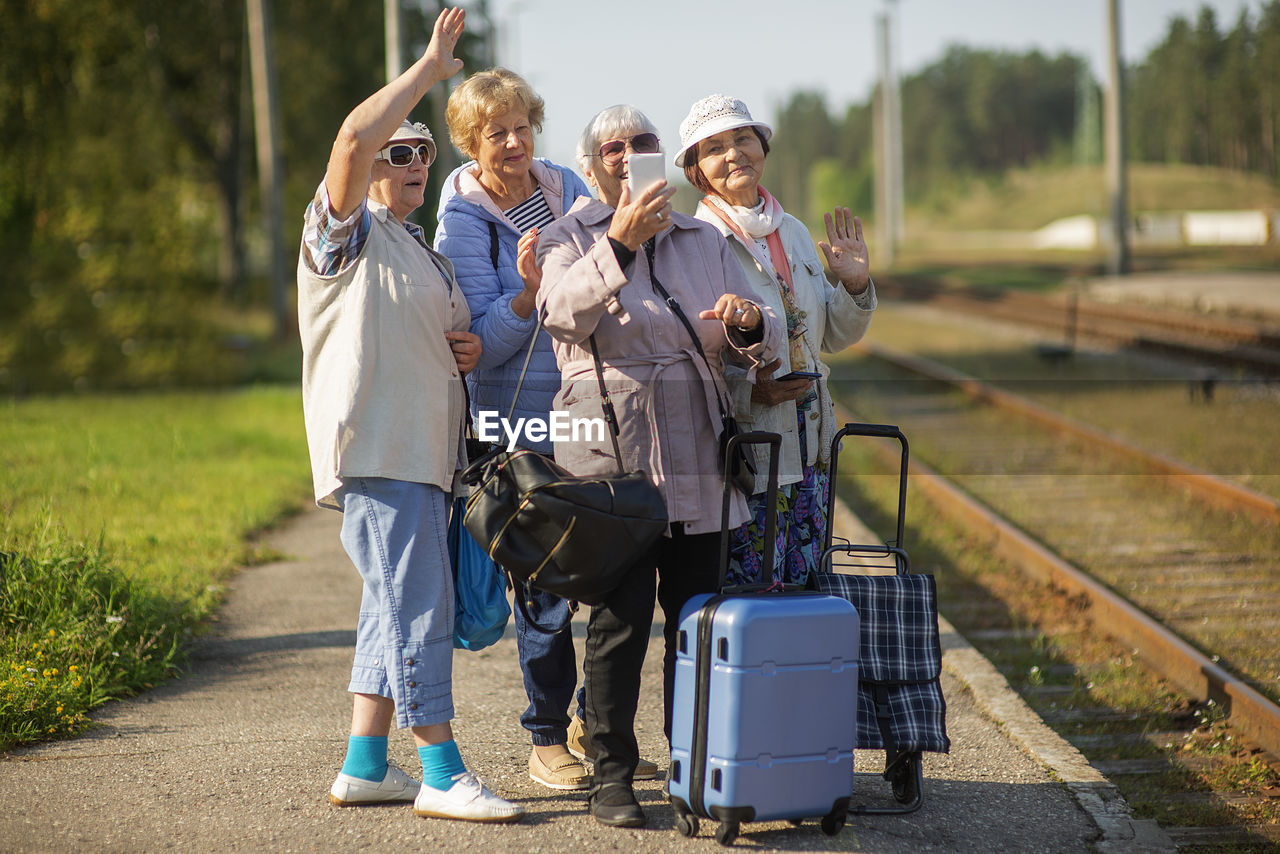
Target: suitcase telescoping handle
{"type": "Point", "coordinates": [755, 437]}
{"type": "Point", "coordinates": [883, 431]}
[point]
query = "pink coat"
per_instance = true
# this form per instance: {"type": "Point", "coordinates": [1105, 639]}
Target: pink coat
{"type": "Point", "coordinates": [660, 388]}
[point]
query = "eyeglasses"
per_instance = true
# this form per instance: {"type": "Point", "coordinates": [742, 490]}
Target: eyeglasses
{"type": "Point", "coordinates": [401, 154]}
{"type": "Point", "coordinates": [642, 143]}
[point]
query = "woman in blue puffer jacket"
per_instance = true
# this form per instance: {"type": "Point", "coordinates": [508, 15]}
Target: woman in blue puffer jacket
{"type": "Point", "coordinates": [491, 210]}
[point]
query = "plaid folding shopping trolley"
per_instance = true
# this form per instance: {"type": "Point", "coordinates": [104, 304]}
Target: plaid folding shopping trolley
{"type": "Point", "coordinates": [900, 705]}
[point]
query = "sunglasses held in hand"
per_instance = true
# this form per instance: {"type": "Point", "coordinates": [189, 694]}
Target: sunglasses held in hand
{"type": "Point", "coordinates": [401, 154]}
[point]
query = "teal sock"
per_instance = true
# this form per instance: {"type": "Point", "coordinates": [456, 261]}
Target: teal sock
{"type": "Point", "coordinates": [440, 764]}
{"type": "Point", "coordinates": [366, 757]}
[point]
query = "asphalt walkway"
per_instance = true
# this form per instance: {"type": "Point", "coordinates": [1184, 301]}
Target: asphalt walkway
{"type": "Point", "coordinates": [238, 753]}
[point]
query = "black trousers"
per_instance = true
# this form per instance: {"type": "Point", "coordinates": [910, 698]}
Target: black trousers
{"type": "Point", "coordinates": [618, 636]}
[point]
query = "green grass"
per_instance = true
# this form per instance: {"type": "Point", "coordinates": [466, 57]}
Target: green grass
{"type": "Point", "coordinates": [77, 633]}
{"type": "Point", "coordinates": [1028, 199]}
{"type": "Point", "coordinates": [124, 516]}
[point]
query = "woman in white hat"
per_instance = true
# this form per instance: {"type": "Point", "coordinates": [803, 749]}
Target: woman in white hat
{"type": "Point", "coordinates": [723, 154]}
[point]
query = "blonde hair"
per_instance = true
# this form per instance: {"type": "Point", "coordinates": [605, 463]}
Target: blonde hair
{"type": "Point", "coordinates": [485, 95]}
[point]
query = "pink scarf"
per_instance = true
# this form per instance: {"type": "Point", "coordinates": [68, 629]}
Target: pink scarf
{"type": "Point", "coordinates": [751, 226]}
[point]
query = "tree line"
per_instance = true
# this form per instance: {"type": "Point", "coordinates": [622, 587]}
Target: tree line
{"type": "Point", "coordinates": [128, 199]}
{"type": "Point", "coordinates": [1206, 95]}
{"type": "Point", "coordinates": [128, 203]}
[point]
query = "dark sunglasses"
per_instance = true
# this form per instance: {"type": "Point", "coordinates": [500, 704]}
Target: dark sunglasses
{"type": "Point", "coordinates": [401, 154]}
{"type": "Point", "coordinates": [642, 143]}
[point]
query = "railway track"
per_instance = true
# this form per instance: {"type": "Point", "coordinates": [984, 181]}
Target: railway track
{"type": "Point", "coordinates": [1181, 578]}
{"type": "Point", "coordinates": [1221, 343]}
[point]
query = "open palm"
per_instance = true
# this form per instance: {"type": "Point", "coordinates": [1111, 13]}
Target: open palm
{"type": "Point", "coordinates": [846, 251]}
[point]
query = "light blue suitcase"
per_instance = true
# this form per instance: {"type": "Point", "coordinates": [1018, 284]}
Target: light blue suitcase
{"type": "Point", "coordinates": [765, 702]}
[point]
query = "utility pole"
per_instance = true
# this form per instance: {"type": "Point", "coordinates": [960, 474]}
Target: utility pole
{"type": "Point", "coordinates": [391, 35]}
{"type": "Point", "coordinates": [490, 30]}
{"type": "Point", "coordinates": [266, 125]}
{"type": "Point", "coordinates": [1117, 177]}
{"type": "Point", "coordinates": [889, 144]}
{"type": "Point", "coordinates": [895, 126]}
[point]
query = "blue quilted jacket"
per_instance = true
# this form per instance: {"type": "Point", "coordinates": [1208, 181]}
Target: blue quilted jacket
{"type": "Point", "coordinates": [486, 271]}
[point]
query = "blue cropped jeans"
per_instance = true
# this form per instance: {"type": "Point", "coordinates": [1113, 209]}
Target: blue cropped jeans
{"type": "Point", "coordinates": [394, 532]}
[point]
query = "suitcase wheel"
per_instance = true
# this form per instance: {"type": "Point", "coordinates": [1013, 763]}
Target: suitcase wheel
{"type": "Point", "coordinates": [833, 823]}
{"type": "Point", "coordinates": [727, 832]}
{"type": "Point", "coordinates": [686, 823]}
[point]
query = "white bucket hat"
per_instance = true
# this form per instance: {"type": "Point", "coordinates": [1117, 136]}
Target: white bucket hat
{"type": "Point", "coordinates": [414, 130]}
{"type": "Point", "coordinates": [712, 115]}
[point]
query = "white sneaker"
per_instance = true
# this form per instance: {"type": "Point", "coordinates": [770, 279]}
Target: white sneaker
{"type": "Point", "coordinates": [468, 799]}
{"type": "Point", "coordinates": [395, 786]}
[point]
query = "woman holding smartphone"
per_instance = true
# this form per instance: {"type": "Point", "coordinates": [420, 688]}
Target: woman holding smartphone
{"type": "Point", "coordinates": [607, 267]}
{"type": "Point", "coordinates": [723, 154]}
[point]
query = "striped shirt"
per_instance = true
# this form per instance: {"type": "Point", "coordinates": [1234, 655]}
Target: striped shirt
{"type": "Point", "coordinates": [331, 245]}
{"type": "Point", "coordinates": [533, 211]}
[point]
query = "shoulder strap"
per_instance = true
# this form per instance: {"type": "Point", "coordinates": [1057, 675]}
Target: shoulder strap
{"type": "Point", "coordinates": [493, 243]}
{"type": "Point", "coordinates": [674, 305]}
{"type": "Point", "coordinates": [610, 416]}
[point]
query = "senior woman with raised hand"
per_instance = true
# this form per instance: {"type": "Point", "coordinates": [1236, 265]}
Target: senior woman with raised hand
{"type": "Point", "coordinates": [491, 210]}
{"type": "Point", "coordinates": [723, 152]}
{"type": "Point", "coordinates": [384, 342]}
{"type": "Point", "coordinates": [605, 267]}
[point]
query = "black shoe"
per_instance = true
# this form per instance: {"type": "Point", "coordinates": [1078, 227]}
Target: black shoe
{"type": "Point", "coordinates": [615, 804]}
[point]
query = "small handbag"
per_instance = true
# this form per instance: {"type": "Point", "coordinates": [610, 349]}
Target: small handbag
{"type": "Point", "coordinates": [740, 469]}
{"type": "Point", "coordinates": [737, 467]}
{"type": "Point", "coordinates": [475, 446]}
{"type": "Point", "coordinates": [479, 592]}
{"type": "Point", "coordinates": [576, 537]}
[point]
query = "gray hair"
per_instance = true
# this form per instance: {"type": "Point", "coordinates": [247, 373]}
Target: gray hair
{"type": "Point", "coordinates": [616, 122]}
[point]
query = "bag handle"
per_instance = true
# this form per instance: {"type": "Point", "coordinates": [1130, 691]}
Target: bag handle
{"type": "Point", "coordinates": [774, 441]}
{"type": "Point", "coordinates": [522, 596]}
{"type": "Point", "coordinates": [607, 405]}
{"type": "Point", "coordinates": [883, 431]}
{"type": "Point", "coordinates": [521, 589]}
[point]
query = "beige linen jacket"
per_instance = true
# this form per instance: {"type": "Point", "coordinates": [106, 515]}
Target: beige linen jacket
{"type": "Point", "coordinates": [381, 392]}
{"type": "Point", "coordinates": [833, 320]}
{"type": "Point", "coordinates": [663, 393]}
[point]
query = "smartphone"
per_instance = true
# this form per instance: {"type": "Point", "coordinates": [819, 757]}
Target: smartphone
{"type": "Point", "coordinates": [645, 170]}
{"type": "Point", "coordinates": [798, 375]}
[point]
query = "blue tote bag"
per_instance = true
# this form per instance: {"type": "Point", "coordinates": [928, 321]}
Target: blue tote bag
{"type": "Point", "coordinates": [480, 596]}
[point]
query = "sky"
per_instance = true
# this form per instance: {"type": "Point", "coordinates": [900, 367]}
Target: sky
{"type": "Point", "coordinates": [662, 55]}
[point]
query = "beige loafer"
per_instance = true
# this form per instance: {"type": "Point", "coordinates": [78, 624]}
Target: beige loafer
{"type": "Point", "coordinates": [580, 745]}
{"type": "Point", "coordinates": [564, 772]}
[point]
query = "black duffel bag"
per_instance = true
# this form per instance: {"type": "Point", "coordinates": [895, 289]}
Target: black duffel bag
{"type": "Point", "coordinates": [572, 536]}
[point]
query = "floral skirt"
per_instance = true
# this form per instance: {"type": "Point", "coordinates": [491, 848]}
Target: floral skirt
{"type": "Point", "coordinates": [802, 528]}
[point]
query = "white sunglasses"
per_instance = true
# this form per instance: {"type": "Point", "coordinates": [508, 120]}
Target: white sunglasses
{"type": "Point", "coordinates": [401, 154]}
